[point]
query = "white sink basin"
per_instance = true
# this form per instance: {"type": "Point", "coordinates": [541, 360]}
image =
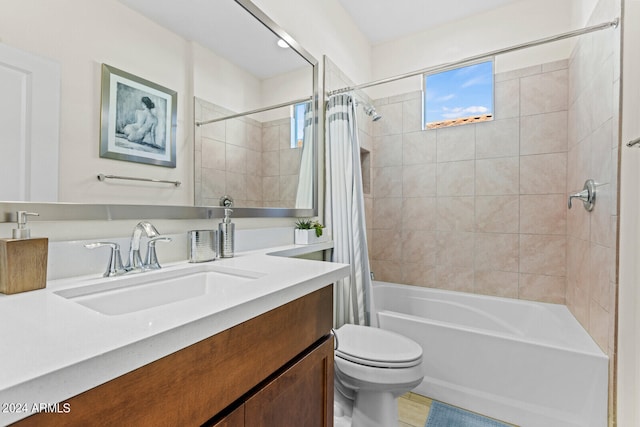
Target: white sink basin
{"type": "Point", "coordinates": [127, 294]}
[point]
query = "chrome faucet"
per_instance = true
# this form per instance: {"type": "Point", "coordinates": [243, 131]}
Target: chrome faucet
{"type": "Point", "coordinates": [135, 260]}
{"type": "Point", "coordinates": [134, 264]}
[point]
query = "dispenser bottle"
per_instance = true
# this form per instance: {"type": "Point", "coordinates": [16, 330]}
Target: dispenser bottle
{"type": "Point", "coordinates": [23, 259]}
{"type": "Point", "coordinates": [226, 234]}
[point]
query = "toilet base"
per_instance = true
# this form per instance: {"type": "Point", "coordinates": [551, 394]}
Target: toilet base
{"type": "Point", "coordinates": [340, 418]}
{"type": "Point", "coordinates": [375, 409]}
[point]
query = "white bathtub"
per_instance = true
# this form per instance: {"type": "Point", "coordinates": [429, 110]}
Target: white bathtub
{"type": "Point", "coordinates": [527, 363]}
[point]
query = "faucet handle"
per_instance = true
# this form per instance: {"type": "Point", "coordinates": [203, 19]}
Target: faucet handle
{"type": "Point", "coordinates": [151, 260]}
{"type": "Point", "coordinates": [114, 267]}
{"type": "Point", "coordinates": [587, 195]}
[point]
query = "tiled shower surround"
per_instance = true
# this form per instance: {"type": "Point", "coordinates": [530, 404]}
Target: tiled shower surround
{"type": "Point", "coordinates": [479, 207]}
{"type": "Point", "coordinates": [593, 138]}
{"type": "Point", "coordinates": [249, 160]}
{"type": "Point", "coordinates": [483, 207]}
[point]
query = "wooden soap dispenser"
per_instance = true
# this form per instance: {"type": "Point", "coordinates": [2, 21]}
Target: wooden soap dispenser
{"type": "Point", "coordinates": [23, 260]}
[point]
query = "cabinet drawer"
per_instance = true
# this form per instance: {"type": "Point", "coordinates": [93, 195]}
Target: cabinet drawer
{"type": "Point", "coordinates": [300, 396]}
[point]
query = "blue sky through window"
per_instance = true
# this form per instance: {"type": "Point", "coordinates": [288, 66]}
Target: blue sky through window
{"type": "Point", "coordinates": [458, 93]}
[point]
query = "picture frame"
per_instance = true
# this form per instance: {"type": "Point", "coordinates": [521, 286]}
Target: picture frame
{"type": "Point", "coordinates": [137, 119]}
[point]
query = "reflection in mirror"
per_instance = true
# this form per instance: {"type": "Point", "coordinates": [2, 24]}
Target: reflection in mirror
{"type": "Point", "coordinates": [214, 50]}
{"type": "Point", "coordinates": [305, 192]}
{"type": "Point", "coordinates": [226, 29]}
{"type": "Point", "coordinates": [259, 160]}
{"type": "Point", "coordinates": [248, 158]}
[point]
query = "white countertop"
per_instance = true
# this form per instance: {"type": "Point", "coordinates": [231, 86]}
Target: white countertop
{"type": "Point", "coordinates": [52, 348]}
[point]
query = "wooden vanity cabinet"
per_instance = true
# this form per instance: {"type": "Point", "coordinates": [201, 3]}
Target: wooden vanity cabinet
{"type": "Point", "coordinates": [301, 395]}
{"type": "Point", "coordinates": [273, 370]}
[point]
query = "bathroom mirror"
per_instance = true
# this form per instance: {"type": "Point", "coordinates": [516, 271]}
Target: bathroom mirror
{"type": "Point", "coordinates": [223, 52]}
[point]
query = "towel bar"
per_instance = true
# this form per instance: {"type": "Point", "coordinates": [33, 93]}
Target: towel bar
{"type": "Point", "coordinates": [102, 177]}
{"type": "Point", "coordinates": [633, 142]}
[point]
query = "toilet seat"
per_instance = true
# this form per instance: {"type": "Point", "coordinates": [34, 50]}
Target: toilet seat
{"type": "Point", "coordinates": [377, 348]}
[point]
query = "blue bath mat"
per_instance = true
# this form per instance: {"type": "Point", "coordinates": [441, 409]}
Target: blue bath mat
{"type": "Point", "coordinates": [443, 415]}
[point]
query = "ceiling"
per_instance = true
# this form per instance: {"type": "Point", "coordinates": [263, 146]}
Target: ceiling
{"type": "Point", "coordinates": [383, 20]}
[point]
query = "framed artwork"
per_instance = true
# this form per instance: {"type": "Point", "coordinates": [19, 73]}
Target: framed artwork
{"type": "Point", "coordinates": [137, 119]}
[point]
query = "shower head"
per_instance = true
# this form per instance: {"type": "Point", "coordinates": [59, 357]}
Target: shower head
{"type": "Point", "coordinates": [370, 111]}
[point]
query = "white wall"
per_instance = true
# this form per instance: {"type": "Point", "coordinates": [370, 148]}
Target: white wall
{"type": "Point", "coordinates": [582, 12]}
{"type": "Point", "coordinates": [298, 84]}
{"type": "Point", "coordinates": [629, 292]}
{"type": "Point", "coordinates": [506, 26]}
{"type": "Point", "coordinates": [324, 28]}
{"type": "Point", "coordinates": [219, 81]}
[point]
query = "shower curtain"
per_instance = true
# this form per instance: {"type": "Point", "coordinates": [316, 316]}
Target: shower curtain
{"type": "Point", "coordinates": [344, 211]}
{"type": "Point", "coordinates": [304, 194]}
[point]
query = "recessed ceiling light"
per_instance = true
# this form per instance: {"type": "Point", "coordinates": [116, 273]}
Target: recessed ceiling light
{"type": "Point", "coordinates": [283, 44]}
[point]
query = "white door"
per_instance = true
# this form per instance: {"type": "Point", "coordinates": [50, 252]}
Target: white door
{"type": "Point", "coordinates": [29, 126]}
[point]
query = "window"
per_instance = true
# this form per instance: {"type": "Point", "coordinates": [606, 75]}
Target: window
{"type": "Point", "coordinates": [459, 96]}
{"type": "Point", "coordinates": [297, 124]}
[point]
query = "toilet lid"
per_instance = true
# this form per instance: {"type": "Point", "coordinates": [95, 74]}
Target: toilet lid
{"type": "Point", "coordinates": [376, 347]}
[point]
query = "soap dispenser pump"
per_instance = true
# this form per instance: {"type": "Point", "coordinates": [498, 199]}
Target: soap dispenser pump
{"type": "Point", "coordinates": [22, 232]}
{"type": "Point", "coordinates": [226, 234]}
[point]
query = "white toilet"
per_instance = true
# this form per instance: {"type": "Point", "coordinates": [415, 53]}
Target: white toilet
{"type": "Point", "coordinates": [373, 367]}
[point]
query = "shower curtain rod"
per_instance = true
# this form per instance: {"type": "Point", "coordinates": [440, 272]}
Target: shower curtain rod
{"type": "Point", "coordinates": [257, 110]}
{"type": "Point", "coordinates": [474, 58]}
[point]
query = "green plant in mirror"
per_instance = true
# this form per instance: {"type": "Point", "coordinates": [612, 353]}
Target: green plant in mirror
{"type": "Point", "coordinates": [308, 224]}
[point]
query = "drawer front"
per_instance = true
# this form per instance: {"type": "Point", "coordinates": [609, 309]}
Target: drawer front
{"type": "Point", "coordinates": [300, 396]}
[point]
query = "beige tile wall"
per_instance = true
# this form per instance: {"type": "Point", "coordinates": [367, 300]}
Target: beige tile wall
{"type": "Point", "coordinates": [244, 158]}
{"type": "Point", "coordinates": [280, 164]}
{"type": "Point", "coordinates": [593, 97]}
{"type": "Point", "coordinates": [479, 207]}
{"type": "Point", "coordinates": [483, 207]}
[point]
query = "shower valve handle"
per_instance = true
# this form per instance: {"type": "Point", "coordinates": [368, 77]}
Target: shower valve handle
{"type": "Point", "coordinates": [587, 195]}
